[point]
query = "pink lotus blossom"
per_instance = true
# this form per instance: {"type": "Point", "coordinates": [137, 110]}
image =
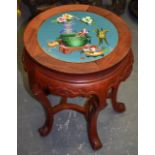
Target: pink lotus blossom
{"type": "Point", "coordinates": [93, 49]}
{"type": "Point", "coordinates": [61, 19]}
{"type": "Point", "coordinates": [84, 31]}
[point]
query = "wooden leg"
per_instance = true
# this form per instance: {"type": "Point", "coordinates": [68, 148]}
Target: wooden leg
{"type": "Point", "coordinates": [92, 132]}
{"type": "Point", "coordinates": [92, 122]}
{"type": "Point", "coordinates": [41, 96]}
{"type": "Point", "coordinates": [117, 106]}
{"type": "Point", "coordinates": [63, 100]}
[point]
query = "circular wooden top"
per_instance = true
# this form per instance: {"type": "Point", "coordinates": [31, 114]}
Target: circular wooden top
{"type": "Point", "coordinates": [37, 54]}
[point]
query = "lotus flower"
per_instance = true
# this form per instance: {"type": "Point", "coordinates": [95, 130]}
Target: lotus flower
{"type": "Point", "coordinates": [83, 32]}
{"type": "Point", "coordinates": [87, 20]}
{"type": "Point", "coordinates": [61, 19]}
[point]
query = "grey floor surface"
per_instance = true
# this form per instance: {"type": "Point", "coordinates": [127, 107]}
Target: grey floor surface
{"type": "Point", "coordinates": [118, 132]}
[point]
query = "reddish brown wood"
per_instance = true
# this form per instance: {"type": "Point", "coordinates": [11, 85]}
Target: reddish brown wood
{"type": "Point", "coordinates": [34, 50]}
{"type": "Point", "coordinates": [46, 76]}
{"type": "Point", "coordinates": [40, 95]}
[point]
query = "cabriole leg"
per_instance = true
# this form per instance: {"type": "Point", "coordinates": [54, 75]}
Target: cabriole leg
{"type": "Point", "coordinates": [41, 96]}
{"type": "Point", "coordinates": [94, 109]}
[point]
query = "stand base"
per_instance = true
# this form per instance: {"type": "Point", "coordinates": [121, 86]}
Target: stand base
{"type": "Point", "coordinates": [94, 86]}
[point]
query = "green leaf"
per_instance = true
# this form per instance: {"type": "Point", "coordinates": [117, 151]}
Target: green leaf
{"type": "Point", "coordinates": [106, 41]}
{"type": "Point", "coordinates": [100, 41]}
{"type": "Point", "coordinates": [106, 49]}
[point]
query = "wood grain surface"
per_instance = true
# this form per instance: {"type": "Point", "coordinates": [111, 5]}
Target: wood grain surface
{"type": "Point", "coordinates": [35, 51]}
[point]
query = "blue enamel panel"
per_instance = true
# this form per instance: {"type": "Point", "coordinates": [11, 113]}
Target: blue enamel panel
{"type": "Point", "coordinates": [79, 24]}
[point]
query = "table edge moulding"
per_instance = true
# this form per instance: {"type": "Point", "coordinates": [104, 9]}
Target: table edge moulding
{"type": "Point", "coordinates": [97, 82]}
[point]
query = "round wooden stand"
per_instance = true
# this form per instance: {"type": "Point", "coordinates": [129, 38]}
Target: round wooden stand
{"type": "Point", "coordinates": [98, 81]}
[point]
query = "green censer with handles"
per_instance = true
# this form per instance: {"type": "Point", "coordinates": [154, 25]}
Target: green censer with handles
{"type": "Point", "coordinates": [73, 40]}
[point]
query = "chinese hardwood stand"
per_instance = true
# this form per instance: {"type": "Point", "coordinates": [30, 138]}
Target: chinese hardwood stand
{"type": "Point", "coordinates": [98, 81]}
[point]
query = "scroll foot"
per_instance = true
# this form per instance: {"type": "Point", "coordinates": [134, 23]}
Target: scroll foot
{"type": "Point", "coordinates": [45, 130]}
{"type": "Point", "coordinates": [119, 107]}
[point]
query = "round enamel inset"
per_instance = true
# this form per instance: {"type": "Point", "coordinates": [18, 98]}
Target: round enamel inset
{"type": "Point", "coordinates": [77, 36]}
